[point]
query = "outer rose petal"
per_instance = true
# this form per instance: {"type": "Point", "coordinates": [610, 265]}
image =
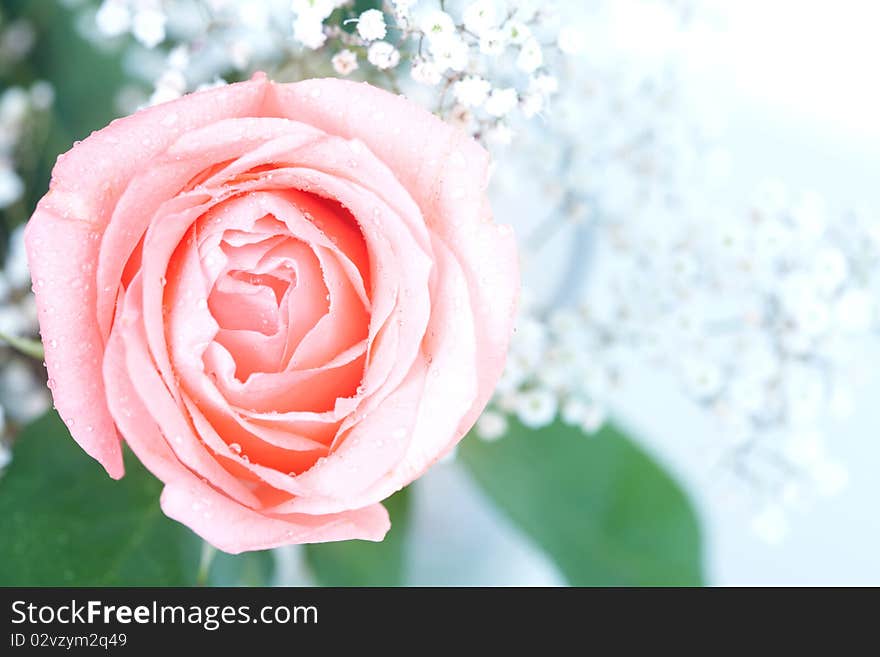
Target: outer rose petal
{"type": "Point", "coordinates": [63, 239]}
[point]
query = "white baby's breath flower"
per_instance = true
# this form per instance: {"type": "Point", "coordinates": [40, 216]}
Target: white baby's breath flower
{"type": "Point", "coordinates": [594, 418]}
{"type": "Point", "coordinates": [437, 25]}
{"type": "Point", "coordinates": [536, 408]}
{"type": "Point", "coordinates": [178, 57]}
{"type": "Point", "coordinates": [491, 426]}
{"type": "Point", "coordinates": [450, 52]}
{"type": "Point", "coordinates": [371, 25]}
{"type": "Point", "coordinates": [148, 26]}
{"type": "Point", "coordinates": [170, 85]}
{"type": "Point", "coordinates": [240, 53]}
{"type": "Point", "coordinates": [573, 411]}
{"type": "Point", "coordinates": [472, 91]}
{"type": "Point", "coordinates": [587, 416]}
{"type": "Point", "coordinates": [480, 16]}
{"type": "Point", "coordinates": [113, 18]}
{"type": "Point", "coordinates": [530, 56]}
{"type": "Point", "coordinates": [15, 267]}
{"type": "Point", "coordinates": [14, 106]}
{"type": "Point", "coordinates": [383, 55]}
{"type": "Point", "coordinates": [344, 62]}
{"type": "Point", "coordinates": [425, 71]}
{"type": "Point", "coordinates": [309, 31]}
{"type": "Point", "coordinates": [517, 32]}
{"type": "Point", "coordinates": [11, 186]}
{"type": "Point", "coordinates": [501, 101]}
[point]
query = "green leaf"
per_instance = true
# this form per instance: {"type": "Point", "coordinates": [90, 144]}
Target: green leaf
{"type": "Point", "coordinates": [64, 522]}
{"type": "Point", "coordinates": [600, 507]}
{"type": "Point", "coordinates": [364, 563]}
{"type": "Point", "coordinates": [247, 569]}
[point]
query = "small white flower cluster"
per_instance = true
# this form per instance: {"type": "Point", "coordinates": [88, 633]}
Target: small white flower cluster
{"type": "Point", "coordinates": [762, 316]}
{"type": "Point", "coordinates": [23, 393]}
{"type": "Point", "coordinates": [759, 311]}
{"type": "Point", "coordinates": [145, 20]}
{"type": "Point", "coordinates": [480, 64]}
{"type": "Point", "coordinates": [21, 109]}
{"type": "Point", "coordinates": [184, 45]}
{"type": "Point", "coordinates": [485, 63]}
{"type": "Point", "coordinates": [555, 368]}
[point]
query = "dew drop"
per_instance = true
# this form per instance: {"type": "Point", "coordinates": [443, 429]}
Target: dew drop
{"type": "Point", "coordinates": [235, 447]}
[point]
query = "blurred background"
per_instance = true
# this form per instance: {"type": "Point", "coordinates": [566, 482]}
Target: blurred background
{"type": "Point", "coordinates": [690, 394]}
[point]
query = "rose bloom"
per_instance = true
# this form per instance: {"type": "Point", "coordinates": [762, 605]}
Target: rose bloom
{"type": "Point", "coordinates": [288, 299]}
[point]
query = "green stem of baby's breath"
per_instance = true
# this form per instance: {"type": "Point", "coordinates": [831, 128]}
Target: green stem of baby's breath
{"type": "Point", "coordinates": [26, 346]}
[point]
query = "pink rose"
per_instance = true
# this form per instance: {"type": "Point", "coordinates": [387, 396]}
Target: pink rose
{"type": "Point", "coordinates": [288, 299]}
